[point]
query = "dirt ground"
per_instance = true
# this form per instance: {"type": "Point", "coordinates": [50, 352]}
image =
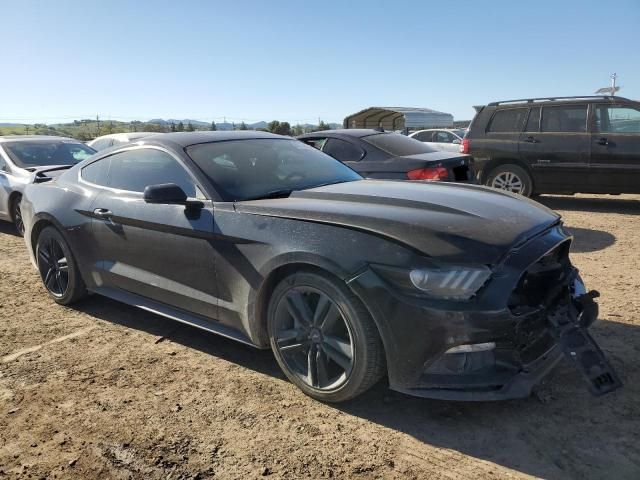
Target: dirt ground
{"type": "Point", "coordinates": [95, 391]}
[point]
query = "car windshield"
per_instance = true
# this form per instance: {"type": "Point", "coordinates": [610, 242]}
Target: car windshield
{"type": "Point", "coordinates": [398, 145]}
{"type": "Point", "coordinates": [459, 133]}
{"type": "Point", "coordinates": [263, 168]}
{"type": "Point", "coordinates": [42, 153]}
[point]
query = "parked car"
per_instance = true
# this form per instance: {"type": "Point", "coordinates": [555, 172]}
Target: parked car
{"type": "Point", "coordinates": [375, 154]}
{"type": "Point", "coordinates": [452, 291]}
{"type": "Point", "coordinates": [105, 141]}
{"type": "Point", "coordinates": [558, 145]}
{"type": "Point", "coordinates": [22, 157]}
{"type": "Point", "coordinates": [447, 140]}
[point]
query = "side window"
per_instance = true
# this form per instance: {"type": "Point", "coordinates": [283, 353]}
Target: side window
{"type": "Point", "coordinates": [565, 119]}
{"type": "Point", "coordinates": [134, 170]}
{"type": "Point", "coordinates": [533, 123]}
{"type": "Point", "coordinates": [343, 151]}
{"type": "Point", "coordinates": [510, 120]}
{"type": "Point", "coordinates": [617, 119]}
{"type": "Point", "coordinates": [3, 165]}
{"type": "Point", "coordinates": [79, 153]}
{"type": "Point", "coordinates": [97, 172]}
{"type": "Point", "coordinates": [443, 137]}
{"type": "Point", "coordinates": [424, 136]}
{"type": "Point", "coordinates": [315, 142]}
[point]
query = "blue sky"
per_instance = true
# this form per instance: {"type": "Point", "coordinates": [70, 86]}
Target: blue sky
{"type": "Point", "coordinates": [297, 61]}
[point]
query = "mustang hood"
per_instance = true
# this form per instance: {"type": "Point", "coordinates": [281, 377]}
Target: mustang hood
{"type": "Point", "coordinates": [437, 219]}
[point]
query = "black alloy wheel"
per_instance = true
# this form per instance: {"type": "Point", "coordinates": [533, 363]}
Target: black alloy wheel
{"type": "Point", "coordinates": [323, 338]}
{"type": "Point", "coordinates": [57, 268]}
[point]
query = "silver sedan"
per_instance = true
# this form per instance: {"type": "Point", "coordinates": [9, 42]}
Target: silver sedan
{"type": "Point", "coordinates": [22, 158]}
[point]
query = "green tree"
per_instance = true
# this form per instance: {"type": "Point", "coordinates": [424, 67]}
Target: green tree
{"type": "Point", "coordinates": [243, 126]}
{"type": "Point", "coordinates": [284, 129]}
{"type": "Point", "coordinates": [180, 127]}
{"type": "Point", "coordinates": [173, 127]}
{"type": "Point", "coordinates": [213, 127]}
{"type": "Point", "coordinates": [298, 130]}
{"type": "Point", "coordinates": [273, 126]}
{"type": "Point", "coordinates": [190, 127]}
{"type": "Point", "coordinates": [323, 126]}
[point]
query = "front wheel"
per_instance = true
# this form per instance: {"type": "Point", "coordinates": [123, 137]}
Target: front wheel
{"type": "Point", "coordinates": [511, 178]}
{"type": "Point", "coordinates": [16, 215]}
{"type": "Point", "coordinates": [58, 268]}
{"type": "Point", "coordinates": [323, 337]}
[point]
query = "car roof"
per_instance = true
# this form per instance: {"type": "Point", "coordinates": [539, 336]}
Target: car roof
{"type": "Point", "coordinates": [184, 139]}
{"type": "Point", "coordinates": [127, 135]}
{"type": "Point", "coordinates": [351, 132]}
{"type": "Point", "coordinates": [32, 138]}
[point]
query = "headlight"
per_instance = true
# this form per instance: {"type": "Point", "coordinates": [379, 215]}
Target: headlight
{"type": "Point", "coordinates": [450, 282]}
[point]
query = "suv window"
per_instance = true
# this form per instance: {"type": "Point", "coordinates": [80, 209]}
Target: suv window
{"type": "Point", "coordinates": [134, 170]}
{"type": "Point", "coordinates": [342, 150]}
{"type": "Point", "coordinates": [617, 119]}
{"type": "Point", "coordinates": [510, 120]}
{"type": "Point", "coordinates": [533, 122]}
{"type": "Point", "coordinates": [567, 118]}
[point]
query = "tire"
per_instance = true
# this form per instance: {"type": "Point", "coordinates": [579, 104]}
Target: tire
{"type": "Point", "coordinates": [511, 178]}
{"type": "Point", "coordinates": [323, 337]}
{"type": "Point", "coordinates": [16, 215]}
{"type": "Point", "coordinates": [58, 268]}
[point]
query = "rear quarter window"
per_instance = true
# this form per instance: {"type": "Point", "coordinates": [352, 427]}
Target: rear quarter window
{"type": "Point", "coordinates": [97, 172]}
{"type": "Point", "coordinates": [511, 120]}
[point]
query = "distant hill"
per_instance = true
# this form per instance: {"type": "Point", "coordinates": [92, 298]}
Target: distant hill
{"type": "Point", "coordinates": [185, 121]}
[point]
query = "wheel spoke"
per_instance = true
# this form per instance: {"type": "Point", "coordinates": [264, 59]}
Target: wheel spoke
{"type": "Point", "coordinates": [59, 283]}
{"type": "Point", "coordinates": [47, 276]}
{"type": "Point", "coordinates": [299, 309]}
{"type": "Point", "coordinates": [287, 335]}
{"type": "Point", "coordinates": [44, 256]}
{"type": "Point", "coordinates": [293, 346]}
{"type": "Point", "coordinates": [321, 365]}
{"type": "Point", "coordinates": [312, 366]}
{"type": "Point", "coordinates": [323, 306]}
{"type": "Point", "coordinates": [339, 351]}
{"type": "Point", "coordinates": [62, 265]}
{"type": "Point", "coordinates": [330, 318]}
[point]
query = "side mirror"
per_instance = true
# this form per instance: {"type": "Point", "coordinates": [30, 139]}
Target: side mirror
{"type": "Point", "coordinates": [456, 142]}
{"type": "Point", "coordinates": [165, 193]}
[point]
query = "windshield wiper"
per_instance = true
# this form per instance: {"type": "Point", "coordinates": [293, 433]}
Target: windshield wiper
{"type": "Point", "coordinates": [281, 193]}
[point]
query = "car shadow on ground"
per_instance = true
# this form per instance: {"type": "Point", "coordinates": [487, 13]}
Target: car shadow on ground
{"type": "Point", "coordinates": [586, 240]}
{"type": "Point", "coordinates": [563, 432]}
{"type": "Point", "coordinates": [610, 204]}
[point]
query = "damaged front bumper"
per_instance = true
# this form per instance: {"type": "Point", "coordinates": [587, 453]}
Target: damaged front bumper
{"type": "Point", "coordinates": [478, 353]}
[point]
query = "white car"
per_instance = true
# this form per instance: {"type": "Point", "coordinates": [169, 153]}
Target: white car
{"type": "Point", "coordinates": [444, 139]}
{"type": "Point", "coordinates": [22, 157]}
{"type": "Point", "coordinates": [106, 141]}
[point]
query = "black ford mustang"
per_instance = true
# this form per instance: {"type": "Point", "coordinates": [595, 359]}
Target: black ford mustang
{"type": "Point", "coordinates": [452, 291]}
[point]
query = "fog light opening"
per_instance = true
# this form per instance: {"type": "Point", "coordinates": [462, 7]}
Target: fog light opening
{"type": "Point", "coordinates": [472, 347]}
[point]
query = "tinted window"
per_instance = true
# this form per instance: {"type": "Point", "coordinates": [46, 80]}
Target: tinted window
{"type": "Point", "coordinates": [443, 137]}
{"type": "Point", "coordinates": [510, 120]}
{"type": "Point", "coordinates": [342, 150]}
{"type": "Point", "coordinates": [398, 145]}
{"type": "Point", "coordinates": [533, 123]}
{"type": "Point", "coordinates": [315, 142]}
{"type": "Point", "coordinates": [570, 118]}
{"type": "Point", "coordinates": [97, 172]}
{"type": "Point", "coordinates": [40, 153]}
{"type": "Point", "coordinates": [423, 136]}
{"type": "Point", "coordinates": [245, 169]}
{"type": "Point", "coordinates": [134, 170]}
{"type": "Point", "coordinates": [617, 119]}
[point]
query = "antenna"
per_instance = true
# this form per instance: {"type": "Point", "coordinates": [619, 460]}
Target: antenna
{"type": "Point", "coordinates": [613, 88]}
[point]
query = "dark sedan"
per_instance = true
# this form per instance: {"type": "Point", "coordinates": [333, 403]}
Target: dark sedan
{"type": "Point", "coordinates": [451, 291]}
{"type": "Point", "coordinates": [387, 155]}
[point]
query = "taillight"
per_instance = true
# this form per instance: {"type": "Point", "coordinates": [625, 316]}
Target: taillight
{"type": "Point", "coordinates": [433, 173]}
{"type": "Point", "coordinates": [465, 145]}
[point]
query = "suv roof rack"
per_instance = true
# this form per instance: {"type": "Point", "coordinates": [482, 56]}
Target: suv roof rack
{"type": "Point", "coordinates": [552, 99]}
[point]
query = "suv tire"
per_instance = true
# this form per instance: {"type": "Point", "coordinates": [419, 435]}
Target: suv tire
{"type": "Point", "coordinates": [511, 178]}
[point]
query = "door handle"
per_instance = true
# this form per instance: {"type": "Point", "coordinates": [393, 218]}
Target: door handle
{"type": "Point", "coordinates": [103, 213]}
{"type": "Point", "coordinates": [603, 141]}
{"type": "Point", "coordinates": [531, 140]}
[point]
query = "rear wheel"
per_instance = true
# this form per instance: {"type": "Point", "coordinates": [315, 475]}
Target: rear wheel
{"type": "Point", "coordinates": [58, 268]}
{"type": "Point", "coordinates": [16, 215]}
{"type": "Point", "coordinates": [323, 338]}
{"type": "Point", "coordinates": [511, 178]}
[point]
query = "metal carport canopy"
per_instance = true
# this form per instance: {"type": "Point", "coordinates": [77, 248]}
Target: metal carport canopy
{"type": "Point", "coordinates": [398, 118]}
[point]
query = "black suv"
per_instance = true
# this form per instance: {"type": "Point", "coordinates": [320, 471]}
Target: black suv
{"type": "Point", "coordinates": [557, 145]}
